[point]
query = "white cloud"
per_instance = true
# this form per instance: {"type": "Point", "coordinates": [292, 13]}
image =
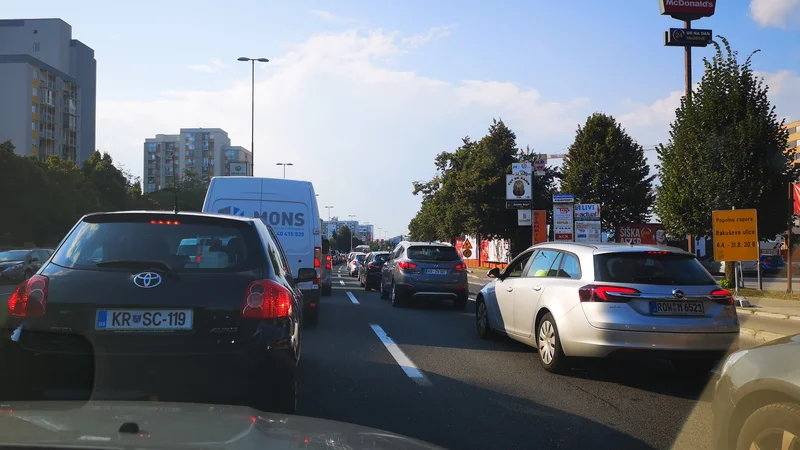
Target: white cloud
{"type": "Point", "coordinates": [215, 65]}
{"type": "Point", "coordinates": [775, 13]}
{"type": "Point", "coordinates": [331, 17]}
{"type": "Point", "coordinates": [431, 35]}
{"type": "Point", "coordinates": [784, 92]}
{"type": "Point", "coordinates": [360, 131]}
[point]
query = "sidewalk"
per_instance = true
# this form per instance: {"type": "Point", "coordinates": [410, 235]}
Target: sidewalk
{"type": "Point", "coordinates": [783, 316]}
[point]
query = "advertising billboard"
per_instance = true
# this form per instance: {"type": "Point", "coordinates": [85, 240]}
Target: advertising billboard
{"type": "Point", "coordinates": [562, 222]}
{"type": "Point", "coordinates": [687, 9]}
{"type": "Point", "coordinates": [647, 233]}
{"type": "Point", "coordinates": [587, 211]}
{"type": "Point", "coordinates": [684, 37]}
{"type": "Point", "coordinates": [587, 231]}
{"type": "Point", "coordinates": [519, 187]}
{"type": "Point", "coordinates": [539, 226]}
{"type": "Point", "coordinates": [237, 169]}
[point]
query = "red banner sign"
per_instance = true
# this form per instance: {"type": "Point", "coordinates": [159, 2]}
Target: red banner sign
{"type": "Point", "coordinates": [688, 9]}
{"type": "Point", "coordinates": [796, 198]}
{"type": "Point", "coordinates": [648, 233]}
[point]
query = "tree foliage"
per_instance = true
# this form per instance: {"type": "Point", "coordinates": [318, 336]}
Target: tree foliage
{"type": "Point", "coordinates": [467, 194]}
{"type": "Point", "coordinates": [727, 149]}
{"type": "Point", "coordinates": [605, 165]}
{"type": "Point", "coordinates": [45, 199]}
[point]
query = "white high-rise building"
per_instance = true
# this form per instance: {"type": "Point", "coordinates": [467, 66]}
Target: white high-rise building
{"type": "Point", "coordinates": [205, 151]}
{"type": "Point", "coordinates": [48, 84]}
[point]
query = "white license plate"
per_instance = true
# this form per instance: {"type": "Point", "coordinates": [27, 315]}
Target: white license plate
{"type": "Point", "coordinates": [144, 319]}
{"type": "Point", "coordinates": [436, 271]}
{"type": "Point", "coordinates": [677, 308]}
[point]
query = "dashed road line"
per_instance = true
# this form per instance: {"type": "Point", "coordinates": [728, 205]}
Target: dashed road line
{"type": "Point", "coordinates": [410, 369]}
{"type": "Point", "coordinates": [352, 298]}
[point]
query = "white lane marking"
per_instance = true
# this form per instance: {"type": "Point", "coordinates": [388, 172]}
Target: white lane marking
{"type": "Point", "coordinates": [341, 282]}
{"type": "Point", "coordinates": [352, 298]}
{"type": "Point", "coordinates": [411, 370]}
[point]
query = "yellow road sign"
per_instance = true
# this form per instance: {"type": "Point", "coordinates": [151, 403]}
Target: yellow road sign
{"type": "Point", "coordinates": [735, 235]}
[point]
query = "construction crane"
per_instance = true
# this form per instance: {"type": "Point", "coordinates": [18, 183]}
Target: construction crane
{"type": "Point", "coordinates": [649, 148]}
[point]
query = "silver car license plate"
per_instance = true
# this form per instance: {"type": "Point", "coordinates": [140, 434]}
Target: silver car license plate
{"type": "Point", "coordinates": [677, 308]}
{"type": "Point", "coordinates": [436, 271]}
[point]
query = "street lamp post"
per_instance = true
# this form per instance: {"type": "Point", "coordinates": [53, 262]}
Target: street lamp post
{"type": "Point", "coordinates": [352, 217]}
{"type": "Point", "coordinates": [252, 108]}
{"type": "Point", "coordinates": [284, 167]}
{"type": "Point", "coordinates": [329, 212]}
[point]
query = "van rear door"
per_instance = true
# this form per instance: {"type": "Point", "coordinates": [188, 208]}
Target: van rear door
{"type": "Point", "coordinates": [291, 221]}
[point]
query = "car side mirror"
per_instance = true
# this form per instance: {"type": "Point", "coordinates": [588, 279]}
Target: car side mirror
{"type": "Point", "coordinates": [306, 274]}
{"type": "Point", "coordinates": [494, 272]}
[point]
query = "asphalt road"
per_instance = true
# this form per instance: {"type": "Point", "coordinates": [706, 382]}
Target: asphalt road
{"type": "Point", "coordinates": [422, 371]}
{"type": "Point", "coordinates": [470, 393]}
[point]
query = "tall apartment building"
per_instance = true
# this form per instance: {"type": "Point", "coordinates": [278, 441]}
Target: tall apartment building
{"type": "Point", "coordinates": [48, 85]}
{"type": "Point", "coordinates": [794, 139]}
{"type": "Point", "coordinates": [361, 231]}
{"type": "Point", "coordinates": [205, 151]}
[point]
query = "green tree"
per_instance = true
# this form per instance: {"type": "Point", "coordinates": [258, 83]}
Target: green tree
{"type": "Point", "coordinates": [343, 239]}
{"type": "Point", "coordinates": [727, 149]}
{"type": "Point", "coordinates": [605, 165]}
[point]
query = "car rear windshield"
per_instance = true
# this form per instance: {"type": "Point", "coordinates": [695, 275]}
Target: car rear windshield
{"type": "Point", "coordinates": [773, 258]}
{"type": "Point", "coordinates": [433, 253]}
{"type": "Point", "coordinates": [382, 258]}
{"type": "Point", "coordinates": [360, 258]}
{"type": "Point", "coordinates": [191, 245]}
{"type": "Point", "coordinates": [651, 268]}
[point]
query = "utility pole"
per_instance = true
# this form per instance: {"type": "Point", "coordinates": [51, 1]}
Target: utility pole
{"type": "Point", "coordinates": [329, 212]}
{"type": "Point", "coordinates": [352, 219]}
{"type": "Point", "coordinates": [252, 62]}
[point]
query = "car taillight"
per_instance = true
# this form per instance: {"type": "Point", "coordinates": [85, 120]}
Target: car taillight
{"type": "Point", "coordinates": [405, 265]}
{"type": "Point", "coordinates": [374, 266]}
{"type": "Point", "coordinates": [595, 293]}
{"type": "Point", "coordinates": [461, 266]}
{"type": "Point", "coordinates": [327, 257]}
{"type": "Point", "coordinates": [722, 296]}
{"type": "Point", "coordinates": [29, 299]}
{"type": "Point", "coordinates": [266, 299]}
{"type": "Point", "coordinates": [317, 257]}
{"type": "Point", "coordinates": [327, 265]}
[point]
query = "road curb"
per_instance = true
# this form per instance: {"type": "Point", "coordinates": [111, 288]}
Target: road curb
{"type": "Point", "coordinates": [771, 315]}
{"type": "Point", "coordinates": [759, 335]}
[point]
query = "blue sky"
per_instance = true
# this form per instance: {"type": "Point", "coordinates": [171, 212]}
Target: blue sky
{"type": "Point", "coordinates": [361, 95]}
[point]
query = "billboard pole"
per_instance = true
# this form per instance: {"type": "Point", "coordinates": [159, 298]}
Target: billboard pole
{"type": "Point", "coordinates": [687, 63]}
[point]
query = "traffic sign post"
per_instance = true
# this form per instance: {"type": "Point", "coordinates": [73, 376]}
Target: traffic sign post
{"type": "Point", "coordinates": [735, 237]}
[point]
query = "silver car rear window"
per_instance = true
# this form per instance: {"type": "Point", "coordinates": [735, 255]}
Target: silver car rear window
{"type": "Point", "coordinates": [655, 267]}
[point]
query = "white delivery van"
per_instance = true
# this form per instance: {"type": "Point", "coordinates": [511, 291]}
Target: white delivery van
{"type": "Point", "coordinates": [290, 208]}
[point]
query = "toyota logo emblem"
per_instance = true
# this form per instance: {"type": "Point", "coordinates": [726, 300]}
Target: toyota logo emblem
{"type": "Point", "coordinates": [678, 293]}
{"type": "Point", "coordinates": [147, 280]}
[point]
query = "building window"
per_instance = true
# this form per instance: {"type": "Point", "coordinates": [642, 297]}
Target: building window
{"type": "Point", "coordinates": [34, 91]}
{"type": "Point", "coordinates": [35, 74]}
{"type": "Point", "coordinates": [33, 125]}
{"type": "Point", "coordinates": [36, 47]}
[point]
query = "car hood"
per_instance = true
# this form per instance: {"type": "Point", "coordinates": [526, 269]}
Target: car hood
{"type": "Point", "coordinates": [96, 424]}
{"type": "Point", "coordinates": [6, 264]}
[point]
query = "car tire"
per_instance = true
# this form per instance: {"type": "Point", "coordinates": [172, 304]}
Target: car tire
{"type": "Point", "coordinates": [384, 294]}
{"type": "Point", "coordinates": [548, 344]}
{"type": "Point", "coordinates": [396, 297]}
{"type": "Point", "coordinates": [769, 424]}
{"type": "Point", "coordinates": [482, 319]}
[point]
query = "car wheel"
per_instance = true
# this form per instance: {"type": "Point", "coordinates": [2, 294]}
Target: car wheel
{"type": "Point", "coordinates": [395, 296]}
{"type": "Point", "coordinates": [482, 319]}
{"type": "Point", "coordinates": [548, 343]}
{"type": "Point", "coordinates": [384, 294]}
{"type": "Point", "coordinates": [772, 426]}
